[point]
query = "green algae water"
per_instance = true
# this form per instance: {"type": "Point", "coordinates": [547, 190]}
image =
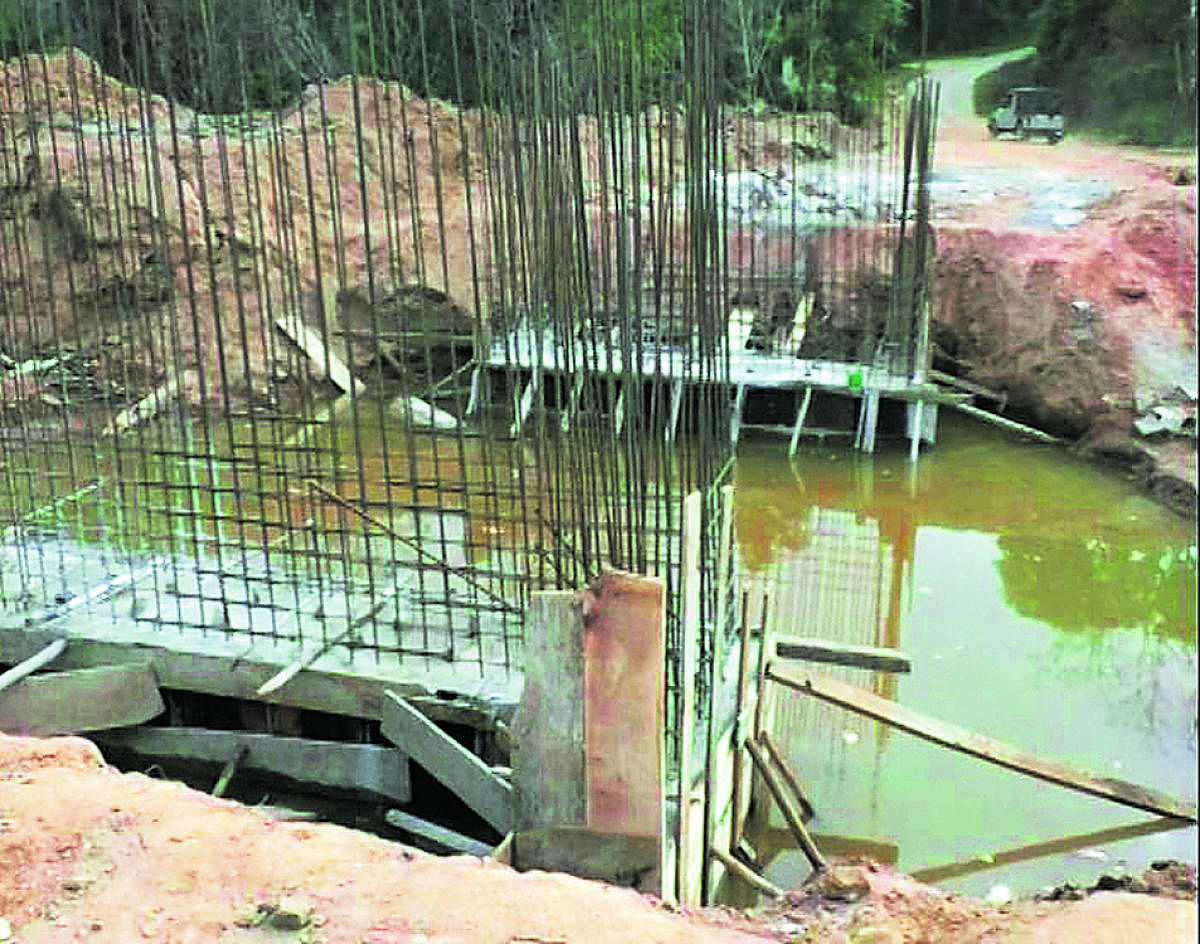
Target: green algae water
{"type": "Point", "coordinates": [1044, 602]}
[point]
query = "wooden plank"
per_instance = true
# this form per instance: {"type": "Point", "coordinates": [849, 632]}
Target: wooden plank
{"type": "Point", "coordinates": [148, 407]}
{"type": "Point", "coordinates": [770, 841]}
{"type": "Point", "coordinates": [784, 801]}
{"type": "Point", "coordinates": [623, 655]}
{"type": "Point", "coordinates": [438, 835]}
{"type": "Point", "coordinates": [373, 767]}
{"type": "Point", "coordinates": [109, 696]}
{"type": "Point", "coordinates": [720, 807]}
{"type": "Point", "coordinates": [325, 360]}
{"type": "Point", "coordinates": [549, 785]}
{"type": "Point", "coordinates": [356, 691]}
{"type": "Point", "coordinates": [464, 774]}
{"type": "Point", "coordinates": [1039, 850]}
{"type": "Point", "coordinates": [978, 745]}
{"type": "Point", "coordinates": [716, 793]}
{"type": "Point", "coordinates": [810, 649]}
{"type": "Point", "coordinates": [978, 390]}
{"type": "Point", "coordinates": [418, 412]}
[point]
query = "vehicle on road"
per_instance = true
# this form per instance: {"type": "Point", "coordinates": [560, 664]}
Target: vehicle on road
{"type": "Point", "coordinates": [1028, 113]}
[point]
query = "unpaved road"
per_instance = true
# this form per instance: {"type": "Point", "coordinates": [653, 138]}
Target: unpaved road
{"type": "Point", "coordinates": [1074, 175]}
{"type": "Point", "coordinates": [956, 77]}
{"type": "Point", "coordinates": [1025, 230]}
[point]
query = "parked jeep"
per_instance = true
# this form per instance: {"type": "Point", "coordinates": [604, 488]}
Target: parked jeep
{"type": "Point", "coordinates": [1027, 112]}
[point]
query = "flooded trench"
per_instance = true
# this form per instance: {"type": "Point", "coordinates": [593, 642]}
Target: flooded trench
{"type": "Point", "coordinates": [1043, 601]}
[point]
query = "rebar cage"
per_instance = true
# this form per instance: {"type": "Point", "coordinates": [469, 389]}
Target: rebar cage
{"type": "Point", "coordinates": [305, 356]}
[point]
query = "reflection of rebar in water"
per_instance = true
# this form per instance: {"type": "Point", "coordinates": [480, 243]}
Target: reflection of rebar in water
{"type": "Point", "coordinates": [836, 587]}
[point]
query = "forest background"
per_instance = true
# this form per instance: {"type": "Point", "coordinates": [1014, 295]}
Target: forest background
{"type": "Point", "coordinates": [1127, 68]}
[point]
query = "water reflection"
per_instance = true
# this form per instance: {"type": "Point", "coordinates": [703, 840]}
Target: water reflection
{"type": "Point", "coordinates": [1102, 582]}
{"type": "Point", "coordinates": [1079, 549]}
{"type": "Point", "coordinates": [1043, 601]}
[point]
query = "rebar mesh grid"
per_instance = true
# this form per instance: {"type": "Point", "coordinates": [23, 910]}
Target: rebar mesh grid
{"type": "Point", "coordinates": [361, 368]}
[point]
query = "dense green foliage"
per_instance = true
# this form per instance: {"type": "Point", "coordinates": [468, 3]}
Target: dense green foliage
{"type": "Point", "coordinates": [1125, 65]}
{"type": "Point", "coordinates": [29, 24]}
{"type": "Point", "coordinates": [226, 55]}
{"type": "Point", "coordinates": [1126, 70]}
{"type": "Point", "coordinates": [964, 25]}
{"type": "Point", "coordinates": [989, 89]}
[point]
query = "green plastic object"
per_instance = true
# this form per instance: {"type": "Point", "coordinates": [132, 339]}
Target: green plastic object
{"type": "Point", "coordinates": [855, 380]}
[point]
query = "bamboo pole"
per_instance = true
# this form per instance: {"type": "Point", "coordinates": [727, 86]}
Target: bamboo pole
{"type": "Point", "coordinates": [32, 664]}
{"type": "Point", "coordinates": [790, 813]}
{"type": "Point", "coordinates": [801, 414]}
{"type": "Point", "coordinates": [229, 769]}
{"type": "Point", "coordinates": [739, 728]}
{"type": "Point", "coordinates": [793, 784]}
{"type": "Point", "coordinates": [689, 643]}
{"type": "Point", "coordinates": [745, 873]}
{"type": "Point", "coordinates": [766, 646]}
{"type": "Point", "coordinates": [1004, 423]}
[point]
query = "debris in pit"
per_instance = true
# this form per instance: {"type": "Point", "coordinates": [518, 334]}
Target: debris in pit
{"type": "Point", "coordinates": [1167, 878]}
{"type": "Point", "coordinates": [1081, 327]}
{"type": "Point", "coordinates": [1131, 290]}
{"type": "Point", "coordinates": [844, 883]}
{"type": "Point", "coordinates": [1064, 892]}
{"type": "Point", "coordinates": [1168, 418]}
{"type": "Point", "coordinates": [285, 914]}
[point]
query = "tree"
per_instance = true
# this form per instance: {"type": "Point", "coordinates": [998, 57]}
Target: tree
{"type": "Point", "coordinates": [1125, 66]}
{"type": "Point", "coordinates": [755, 27]}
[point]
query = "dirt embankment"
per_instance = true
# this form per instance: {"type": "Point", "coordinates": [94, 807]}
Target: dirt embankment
{"type": "Point", "coordinates": [146, 237]}
{"type": "Point", "coordinates": [87, 853]}
{"type": "Point", "coordinates": [1066, 278]}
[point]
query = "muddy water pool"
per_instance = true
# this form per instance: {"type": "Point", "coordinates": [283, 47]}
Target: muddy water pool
{"type": "Point", "coordinates": [1043, 601]}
